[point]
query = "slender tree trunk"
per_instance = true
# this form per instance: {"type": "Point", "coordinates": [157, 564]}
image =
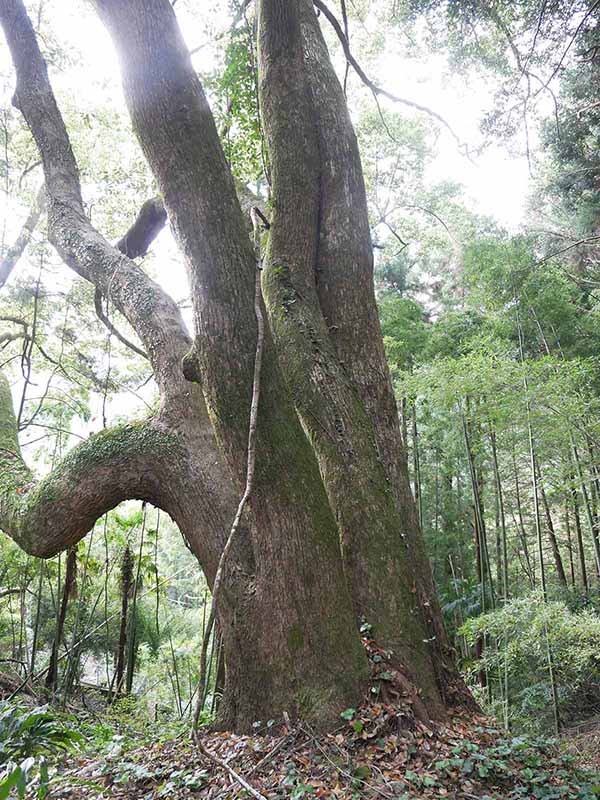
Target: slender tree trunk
{"type": "Point", "coordinates": [126, 582]}
{"type": "Point", "coordinates": [132, 641]}
{"type": "Point", "coordinates": [501, 516]}
{"type": "Point", "coordinates": [558, 562]}
{"type": "Point", "coordinates": [588, 509]}
{"type": "Point", "coordinates": [480, 641]}
{"type": "Point", "coordinates": [569, 542]}
{"type": "Point", "coordinates": [416, 466]}
{"type": "Point", "coordinates": [36, 623]}
{"type": "Point", "coordinates": [476, 485]}
{"type": "Point", "coordinates": [538, 526]}
{"type": "Point", "coordinates": [521, 525]}
{"type": "Point", "coordinates": [67, 592]}
{"type": "Point", "coordinates": [579, 535]}
{"type": "Point", "coordinates": [595, 500]}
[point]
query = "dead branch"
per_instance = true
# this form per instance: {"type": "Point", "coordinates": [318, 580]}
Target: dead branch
{"type": "Point", "coordinates": [224, 765]}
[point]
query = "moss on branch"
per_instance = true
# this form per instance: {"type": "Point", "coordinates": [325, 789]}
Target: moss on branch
{"type": "Point", "coordinates": [47, 516]}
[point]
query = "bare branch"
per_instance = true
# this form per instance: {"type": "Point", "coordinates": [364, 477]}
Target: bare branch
{"type": "Point", "coordinates": [377, 90]}
{"type": "Point", "coordinates": [588, 240]}
{"type": "Point", "coordinates": [112, 328]}
{"type": "Point", "coordinates": [570, 44]}
{"type": "Point", "coordinates": [15, 252]}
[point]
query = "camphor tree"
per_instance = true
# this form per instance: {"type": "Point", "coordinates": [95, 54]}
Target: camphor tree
{"type": "Point", "coordinates": [330, 535]}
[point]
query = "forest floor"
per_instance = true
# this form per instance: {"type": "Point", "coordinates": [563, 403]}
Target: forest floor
{"type": "Point", "coordinates": [583, 741]}
{"type": "Point", "coordinates": [379, 752]}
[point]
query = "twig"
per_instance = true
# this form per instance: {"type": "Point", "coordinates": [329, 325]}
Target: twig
{"type": "Point", "coordinates": [224, 765]}
{"type": "Point", "coordinates": [343, 772]}
{"type": "Point", "coordinates": [265, 759]}
{"type": "Point", "coordinates": [112, 328]}
{"type": "Point", "coordinates": [568, 47]}
{"type": "Point", "coordinates": [234, 23]}
{"type": "Point", "coordinates": [589, 240]}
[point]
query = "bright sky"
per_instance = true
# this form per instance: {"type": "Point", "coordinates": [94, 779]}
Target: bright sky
{"type": "Point", "coordinates": [497, 183]}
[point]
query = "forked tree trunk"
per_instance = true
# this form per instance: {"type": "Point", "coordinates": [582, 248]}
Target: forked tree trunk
{"type": "Point", "coordinates": [332, 532]}
{"type": "Point", "coordinates": [318, 285]}
{"type": "Point", "coordinates": [296, 647]}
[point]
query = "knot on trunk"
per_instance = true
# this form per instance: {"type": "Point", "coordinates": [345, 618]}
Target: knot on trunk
{"type": "Point", "coordinates": [191, 367]}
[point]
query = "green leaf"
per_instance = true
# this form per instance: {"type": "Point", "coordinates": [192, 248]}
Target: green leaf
{"type": "Point", "coordinates": [362, 772]}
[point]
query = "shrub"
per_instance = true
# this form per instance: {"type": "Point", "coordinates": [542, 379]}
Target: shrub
{"type": "Point", "coordinates": [26, 737]}
{"type": "Point", "coordinates": [518, 636]}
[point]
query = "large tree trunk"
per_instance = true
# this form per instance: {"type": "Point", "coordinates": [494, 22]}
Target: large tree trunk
{"type": "Point", "coordinates": [288, 621]}
{"type": "Point", "coordinates": [297, 648]}
{"type": "Point", "coordinates": [320, 297]}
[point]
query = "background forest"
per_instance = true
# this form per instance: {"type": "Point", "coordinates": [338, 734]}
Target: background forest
{"type": "Point", "coordinates": [488, 297]}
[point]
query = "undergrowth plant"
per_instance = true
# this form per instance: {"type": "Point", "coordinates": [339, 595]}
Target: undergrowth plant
{"type": "Point", "coordinates": [27, 738]}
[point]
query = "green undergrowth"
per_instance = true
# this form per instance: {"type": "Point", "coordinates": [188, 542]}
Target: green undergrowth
{"type": "Point", "coordinates": [378, 750]}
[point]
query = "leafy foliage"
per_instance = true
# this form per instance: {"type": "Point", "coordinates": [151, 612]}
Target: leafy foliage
{"type": "Point", "coordinates": [26, 737]}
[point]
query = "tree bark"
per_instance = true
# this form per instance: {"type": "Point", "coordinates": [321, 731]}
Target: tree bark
{"type": "Point", "coordinates": [299, 651]}
{"type": "Point", "coordinates": [339, 378]}
{"type": "Point", "coordinates": [289, 625]}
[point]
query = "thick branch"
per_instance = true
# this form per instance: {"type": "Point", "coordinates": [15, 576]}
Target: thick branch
{"type": "Point", "coordinates": [7, 337]}
{"type": "Point", "coordinates": [121, 463]}
{"type": "Point", "coordinates": [150, 311]}
{"type": "Point", "coordinates": [149, 223]}
{"type": "Point", "coordinates": [48, 516]}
